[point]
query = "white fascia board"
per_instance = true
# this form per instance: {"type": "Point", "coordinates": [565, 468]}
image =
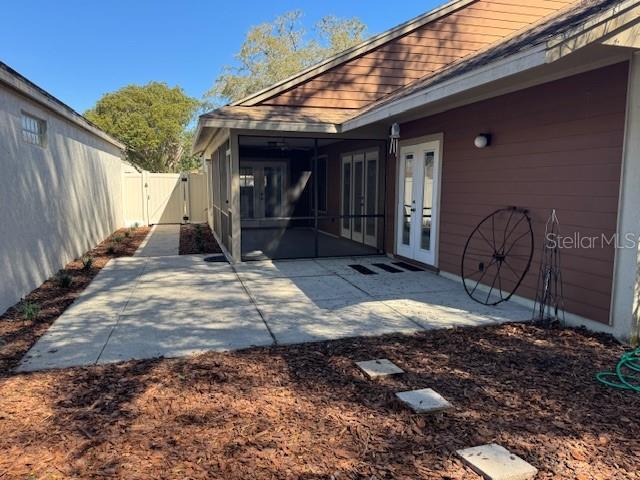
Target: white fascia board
{"type": "Point", "coordinates": [50, 103]}
{"type": "Point", "coordinates": [528, 59]}
{"type": "Point", "coordinates": [269, 125]}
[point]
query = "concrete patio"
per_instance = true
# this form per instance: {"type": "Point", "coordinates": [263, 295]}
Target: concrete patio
{"type": "Point", "coordinates": [144, 307]}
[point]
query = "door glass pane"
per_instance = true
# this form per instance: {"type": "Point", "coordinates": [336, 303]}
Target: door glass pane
{"type": "Point", "coordinates": [408, 197]}
{"type": "Point", "coordinates": [427, 202]}
{"type": "Point", "coordinates": [346, 194]}
{"type": "Point", "coordinates": [273, 179]}
{"type": "Point", "coordinates": [372, 187]}
{"type": "Point", "coordinates": [358, 194]}
{"type": "Point", "coordinates": [247, 192]}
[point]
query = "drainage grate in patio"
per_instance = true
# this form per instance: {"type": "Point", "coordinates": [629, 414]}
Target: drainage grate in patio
{"type": "Point", "coordinates": [387, 268]}
{"type": "Point", "coordinates": [408, 266]}
{"type": "Point", "coordinates": [363, 270]}
{"type": "Point", "coordinates": [216, 258]}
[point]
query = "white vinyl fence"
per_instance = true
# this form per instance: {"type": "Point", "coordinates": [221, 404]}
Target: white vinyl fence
{"type": "Point", "coordinates": [155, 198]}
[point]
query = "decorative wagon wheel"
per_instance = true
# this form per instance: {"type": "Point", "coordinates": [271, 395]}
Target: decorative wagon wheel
{"type": "Point", "coordinates": [497, 256]}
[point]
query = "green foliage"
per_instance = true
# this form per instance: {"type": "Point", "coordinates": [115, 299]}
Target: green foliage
{"type": "Point", "coordinates": [118, 238]}
{"type": "Point", "coordinates": [188, 162]}
{"type": "Point", "coordinates": [274, 51]}
{"type": "Point", "coordinates": [30, 310]}
{"type": "Point", "coordinates": [63, 279]}
{"type": "Point", "coordinates": [151, 120]}
{"type": "Point", "coordinates": [127, 234]}
{"type": "Point", "coordinates": [87, 262]}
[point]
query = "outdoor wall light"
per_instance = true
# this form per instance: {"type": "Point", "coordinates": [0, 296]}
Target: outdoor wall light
{"type": "Point", "coordinates": [482, 140]}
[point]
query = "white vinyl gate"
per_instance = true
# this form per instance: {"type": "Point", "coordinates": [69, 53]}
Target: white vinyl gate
{"type": "Point", "coordinates": [156, 198]}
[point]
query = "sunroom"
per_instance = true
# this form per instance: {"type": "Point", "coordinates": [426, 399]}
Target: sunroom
{"type": "Point", "coordinates": [283, 188]}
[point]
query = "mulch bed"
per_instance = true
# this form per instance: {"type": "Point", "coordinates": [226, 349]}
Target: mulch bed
{"type": "Point", "coordinates": [18, 334]}
{"type": "Point", "coordinates": [196, 238]}
{"type": "Point", "coordinates": [307, 412]}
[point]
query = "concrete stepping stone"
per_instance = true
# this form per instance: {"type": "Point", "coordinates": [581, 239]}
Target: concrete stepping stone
{"type": "Point", "coordinates": [425, 400]}
{"type": "Point", "coordinates": [495, 462]}
{"type": "Point", "coordinates": [379, 368]}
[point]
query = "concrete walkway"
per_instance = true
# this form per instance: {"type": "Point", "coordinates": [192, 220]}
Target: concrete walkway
{"type": "Point", "coordinates": [144, 307]}
{"type": "Point", "coordinates": [162, 241]}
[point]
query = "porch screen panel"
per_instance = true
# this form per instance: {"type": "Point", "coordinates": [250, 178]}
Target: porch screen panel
{"type": "Point", "coordinates": [215, 193]}
{"type": "Point", "coordinates": [276, 197]}
{"type": "Point", "coordinates": [372, 201]}
{"type": "Point", "coordinates": [306, 197]}
{"type": "Point", "coordinates": [353, 223]}
{"type": "Point", "coordinates": [221, 203]}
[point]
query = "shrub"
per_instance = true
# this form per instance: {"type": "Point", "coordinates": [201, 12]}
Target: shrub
{"type": "Point", "coordinates": [198, 237]}
{"type": "Point", "coordinates": [64, 279]}
{"type": "Point", "coordinates": [118, 238]}
{"type": "Point", "coordinates": [111, 250]}
{"type": "Point", "coordinates": [87, 262]}
{"type": "Point", "coordinates": [30, 310]}
{"type": "Point", "coordinates": [127, 234]}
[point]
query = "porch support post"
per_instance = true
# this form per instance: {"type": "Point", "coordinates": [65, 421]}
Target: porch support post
{"type": "Point", "coordinates": [234, 195]}
{"type": "Point", "coordinates": [625, 315]}
{"type": "Point", "coordinates": [315, 197]}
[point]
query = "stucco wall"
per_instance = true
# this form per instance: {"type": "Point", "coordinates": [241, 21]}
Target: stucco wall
{"type": "Point", "coordinates": [56, 202]}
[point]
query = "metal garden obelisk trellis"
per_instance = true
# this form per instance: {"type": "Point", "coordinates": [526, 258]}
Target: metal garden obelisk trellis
{"type": "Point", "coordinates": [549, 304]}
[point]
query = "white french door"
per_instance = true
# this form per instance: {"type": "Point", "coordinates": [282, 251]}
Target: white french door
{"type": "Point", "coordinates": [418, 200]}
{"type": "Point", "coordinates": [262, 190]}
{"type": "Point", "coordinates": [359, 197]}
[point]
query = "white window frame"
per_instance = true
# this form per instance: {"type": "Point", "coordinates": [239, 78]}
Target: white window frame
{"type": "Point", "coordinates": [37, 136]}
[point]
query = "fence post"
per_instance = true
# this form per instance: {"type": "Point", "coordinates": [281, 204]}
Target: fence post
{"type": "Point", "coordinates": [145, 197]}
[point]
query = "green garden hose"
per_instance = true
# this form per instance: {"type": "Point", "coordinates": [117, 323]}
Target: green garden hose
{"type": "Point", "coordinates": [625, 377]}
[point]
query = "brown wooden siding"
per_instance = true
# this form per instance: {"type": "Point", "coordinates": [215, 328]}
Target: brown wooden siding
{"type": "Point", "coordinates": [557, 145]}
{"type": "Point", "coordinates": [417, 54]}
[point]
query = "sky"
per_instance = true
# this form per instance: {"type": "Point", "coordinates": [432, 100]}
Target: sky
{"type": "Point", "coordinates": [79, 50]}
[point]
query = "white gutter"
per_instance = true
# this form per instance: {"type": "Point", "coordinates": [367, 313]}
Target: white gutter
{"type": "Point", "coordinates": [506, 67]}
{"type": "Point", "coordinates": [199, 146]}
{"type": "Point", "coordinates": [270, 125]}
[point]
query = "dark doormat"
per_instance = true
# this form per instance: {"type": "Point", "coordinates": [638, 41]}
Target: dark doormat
{"type": "Point", "coordinates": [363, 270]}
{"type": "Point", "coordinates": [387, 268]}
{"type": "Point", "coordinates": [216, 258]}
{"type": "Point", "coordinates": [408, 266]}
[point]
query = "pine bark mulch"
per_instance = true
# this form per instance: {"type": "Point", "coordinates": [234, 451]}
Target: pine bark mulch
{"type": "Point", "coordinates": [197, 238]}
{"type": "Point", "coordinates": [307, 412]}
{"type": "Point", "coordinates": [17, 334]}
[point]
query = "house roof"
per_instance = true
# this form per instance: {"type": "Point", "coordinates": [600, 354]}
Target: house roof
{"type": "Point", "coordinates": [18, 82]}
{"type": "Point", "coordinates": [538, 34]}
{"type": "Point", "coordinates": [354, 52]}
{"type": "Point", "coordinates": [542, 41]}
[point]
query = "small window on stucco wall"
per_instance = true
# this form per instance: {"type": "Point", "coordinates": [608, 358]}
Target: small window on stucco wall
{"type": "Point", "coordinates": [34, 130]}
